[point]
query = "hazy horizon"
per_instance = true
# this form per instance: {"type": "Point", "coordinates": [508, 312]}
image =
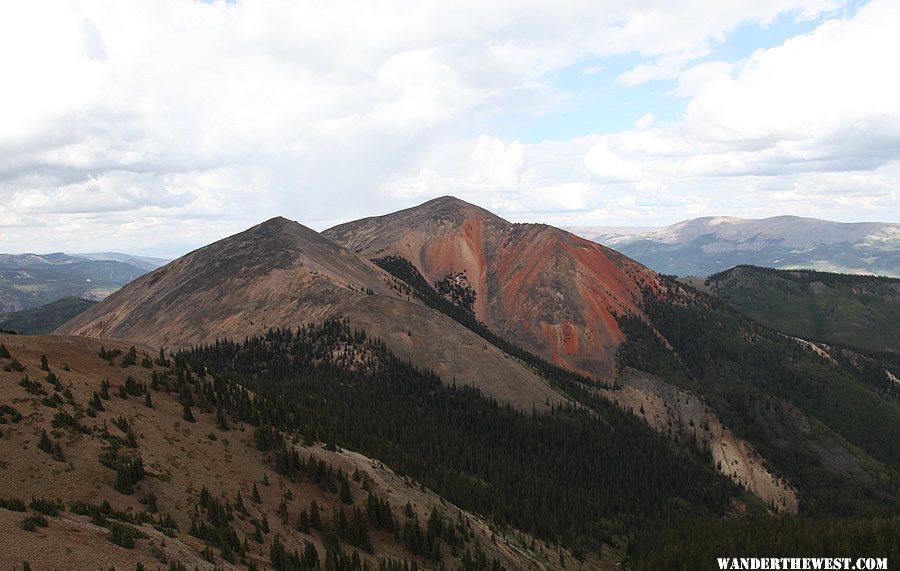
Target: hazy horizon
{"type": "Point", "coordinates": [170, 251]}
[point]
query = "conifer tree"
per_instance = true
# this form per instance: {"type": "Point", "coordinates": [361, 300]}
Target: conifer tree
{"type": "Point", "coordinates": [315, 520]}
{"type": "Point", "coordinates": [221, 422]}
{"type": "Point", "coordinates": [123, 480]}
{"type": "Point", "coordinates": [346, 497]}
{"type": "Point", "coordinates": [57, 453]}
{"type": "Point", "coordinates": [255, 497]}
{"type": "Point", "coordinates": [303, 522]}
{"type": "Point", "coordinates": [44, 442]}
{"type": "Point", "coordinates": [187, 414]}
{"type": "Point", "coordinates": [310, 556]}
{"type": "Point", "coordinates": [283, 511]}
{"type": "Point", "coordinates": [161, 360]}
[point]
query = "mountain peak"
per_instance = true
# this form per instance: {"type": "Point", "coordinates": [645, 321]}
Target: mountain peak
{"type": "Point", "coordinates": [280, 232]}
{"type": "Point", "coordinates": [506, 271]}
{"type": "Point", "coordinates": [448, 208]}
{"type": "Point", "coordinates": [437, 210]}
{"type": "Point", "coordinates": [447, 201]}
{"type": "Point", "coordinates": [277, 221]}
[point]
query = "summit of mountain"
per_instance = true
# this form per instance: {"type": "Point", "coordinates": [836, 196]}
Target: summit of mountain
{"type": "Point", "coordinates": [542, 288]}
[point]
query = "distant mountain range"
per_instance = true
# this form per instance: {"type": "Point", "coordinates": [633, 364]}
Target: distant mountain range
{"type": "Point", "coordinates": [32, 280]}
{"type": "Point", "coordinates": [144, 262]}
{"type": "Point", "coordinates": [704, 246]}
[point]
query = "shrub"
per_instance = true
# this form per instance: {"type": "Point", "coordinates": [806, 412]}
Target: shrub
{"type": "Point", "coordinates": [46, 507]}
{"type": "Point", "coordinates": [15, 365]}
{"type": "Point", "coordinates": [122, 535]}
{"type": "Point", "coordinates": [33, 521]}
{"type": "Point", "coordinates": [12, 504]}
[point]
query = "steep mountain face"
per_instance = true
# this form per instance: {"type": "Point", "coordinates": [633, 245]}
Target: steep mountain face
{"type": "Point", "coordinates": [703, 246]}
{"type": "Point", "coordinates": [282, 274]}
{"type": "Point", "coordinates": [542, 288]}
{"type": "Point", "coordinates": [863, 311]}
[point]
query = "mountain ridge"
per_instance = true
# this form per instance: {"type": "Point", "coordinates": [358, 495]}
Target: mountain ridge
{"type": "Point", "coordinates": [495, 287]}
{"type": "Point", "coordinates": [282, 274]}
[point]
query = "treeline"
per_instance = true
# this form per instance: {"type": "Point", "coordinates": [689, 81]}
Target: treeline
{"type": "Point", "coordinates": [569, 475]}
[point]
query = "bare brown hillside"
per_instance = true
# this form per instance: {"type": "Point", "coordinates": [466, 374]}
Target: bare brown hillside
{"type": "Point", "coordinates": [282, 274]}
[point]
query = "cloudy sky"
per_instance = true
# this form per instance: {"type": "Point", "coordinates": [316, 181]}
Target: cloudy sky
{"type": "Point", "coordinates": [156, 126]}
